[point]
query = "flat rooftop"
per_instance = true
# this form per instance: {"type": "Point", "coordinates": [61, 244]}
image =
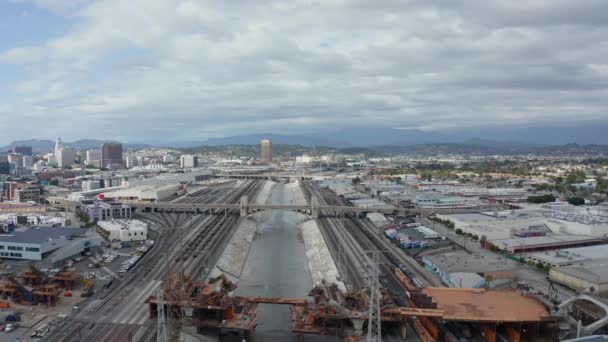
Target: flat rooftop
{"type": "Point", "coordinates": [571, 255]}
{"type": "Point", "coordinates": [595, 271]}
{"type": "Point", "coordinates": [41, 235]}
{"type": "Point", "coordinates": [462, 261]}
{"type": "Point", "coordinates": [480, 305]}
{"type": "Point", "coordinates": [547, 240]}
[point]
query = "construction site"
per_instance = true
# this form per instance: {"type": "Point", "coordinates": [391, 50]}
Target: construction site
{"type": "Point", "coordinates": [217, 275]}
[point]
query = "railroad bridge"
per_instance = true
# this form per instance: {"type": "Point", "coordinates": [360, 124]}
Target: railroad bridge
{"type": "Point", "coordinates": [245, 208]}
{"type": "Point", "coordinates": [264, 176]}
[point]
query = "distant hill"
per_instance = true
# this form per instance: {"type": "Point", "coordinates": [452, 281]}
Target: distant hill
{"type": "Point", "coordinates": [254, 139]}
{"type": "Point", "coordinates": [43, 146]}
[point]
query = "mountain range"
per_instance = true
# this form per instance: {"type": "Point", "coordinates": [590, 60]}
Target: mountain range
{"type": "Point", "coordinates": [43, 145]}
{"type": "Point", "coordinates": [497, 137]}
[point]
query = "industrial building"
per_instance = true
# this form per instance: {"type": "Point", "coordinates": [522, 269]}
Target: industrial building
{"type": "Point", "coordinates": [266, 150]}
{"type": "Point", "coordinates": [101, 210]}
{"type": "Point", "coordinates": [123, 230]}
{"type": "Point", "coordinates": [589, 275]}
{"type": "Point", "coordinates": [544, 243]}
{"type": "Point", "coordinates": [33, 244]}
{"type": "Point", "coordinates": [149, 193]}
{"type": "Point", "coordinates": [575, 223]}
{"type": "Point", "coordinates": [570, 256]}
{"type": "Point", "coordinates": [461, 269]}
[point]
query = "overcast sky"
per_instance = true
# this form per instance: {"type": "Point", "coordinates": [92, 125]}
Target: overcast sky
{"type": "Point", "coordinates": [183, 70]}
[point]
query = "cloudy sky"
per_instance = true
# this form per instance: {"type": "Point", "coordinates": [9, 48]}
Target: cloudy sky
{"type": "Point", "coordinates": [142, 70]}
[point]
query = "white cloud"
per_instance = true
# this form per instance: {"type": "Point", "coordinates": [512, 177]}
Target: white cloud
{"type": "Point", "coordinates": [195, 69]}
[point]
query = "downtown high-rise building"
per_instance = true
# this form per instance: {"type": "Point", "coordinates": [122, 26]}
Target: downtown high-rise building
{"type": "Point", "coordinates": [266, 150]}
{"type": "Point", "coordinates": [23, 150]}
{"type": "Point", "coordinates": [58, 146]}
{"type": "Point", "coordinates": [111, 155]}
{"type": "Point", "coordinates": [66, 157]}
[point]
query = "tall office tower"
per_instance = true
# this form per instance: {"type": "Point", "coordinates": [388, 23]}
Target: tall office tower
{"type": "Point", "coordinates": [28, 161]}
{"type": "Point", "coordinates": [66, 157]}
{"type": "Point", "coordinates": [93, 158]}
{"type": "Point", "coordinates": [58, 146]}
{"type": "Point", "coordinates": [24, 150]}
{"type": "Point", "coordinates": [17, 159]}
{"type": "Point", "coordinates": [266, 147]}
{"type": "Point", "coordinates": [111, 154]}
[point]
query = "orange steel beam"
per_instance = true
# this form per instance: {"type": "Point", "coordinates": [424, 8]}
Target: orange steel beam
{"type": "Point", "coordinates": [413, 312]}
{"type": "Point", "coordinates": [272, 300]}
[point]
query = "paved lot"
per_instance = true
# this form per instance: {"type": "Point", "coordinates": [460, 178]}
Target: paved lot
{"type": "Point", "coordinates": [537, 279]}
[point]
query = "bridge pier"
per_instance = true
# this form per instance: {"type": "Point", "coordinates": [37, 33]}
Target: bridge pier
{"type": "Point", "coordinates": [314, 207]}
{"type": "Point", "coordinates": [244, 206]}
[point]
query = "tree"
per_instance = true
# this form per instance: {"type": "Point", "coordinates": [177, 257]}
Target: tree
{"type": "Point", "coordinates": [576, 200]}
{"type": "Point", "coordinates": [356, 180]}
{"type": "Point", "coordinates": [459, 231]}
{"type": "Point", "coordinates": [489, 279]}
{"type": "Point", "coordinates": [482, 240]}
{"type": "Point", "coordinates": [475, 237]}
{"type": "Point", "coordinates": [576, 176]}
{"type": "Point", "coordinates": [54, 182]}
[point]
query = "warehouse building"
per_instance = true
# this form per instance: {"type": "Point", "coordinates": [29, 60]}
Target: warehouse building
{"type": "Point", "coordinates": [583, 276]}
{"type": "Point", "coordinates": [570, 256]}
{"type": "Point", "coordinates": [123, 230]}
{"type": "Point", "coordinates": [34, 244]}
{"type": "Point", "coordinates": [544, 243]}
{"type": "Point", "coordinates": [149, 193]}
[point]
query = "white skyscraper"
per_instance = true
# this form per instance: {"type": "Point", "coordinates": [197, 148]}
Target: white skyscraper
{"type": "Point", "coordinates": [58, 146]}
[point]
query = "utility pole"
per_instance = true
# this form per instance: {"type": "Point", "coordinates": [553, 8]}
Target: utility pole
{"type": "Point", "coordinates": [374, 326]}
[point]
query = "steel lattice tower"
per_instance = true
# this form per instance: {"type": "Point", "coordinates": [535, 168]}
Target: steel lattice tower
{"type": "Point", "coordinates": [162, 332]}
{"type": "Point", "coordinates": [374, 327]}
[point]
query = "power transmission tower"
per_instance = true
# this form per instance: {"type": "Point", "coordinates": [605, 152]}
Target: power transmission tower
{"type": "Point", "coordinates": [162, 332]}
{"type": "Point", "coordinates": [374, 327]}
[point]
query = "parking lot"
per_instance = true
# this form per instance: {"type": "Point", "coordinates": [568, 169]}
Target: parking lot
{"type": "Point", "coordinates": [100, 268]}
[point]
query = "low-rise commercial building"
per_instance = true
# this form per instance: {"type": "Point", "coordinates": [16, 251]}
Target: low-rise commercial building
{"type": "Point", "coordinates": [123, 230]}
{"type": "Point", "coordinates": [34, 244]}
{"type": "Point", "coordinates": [102, 210]}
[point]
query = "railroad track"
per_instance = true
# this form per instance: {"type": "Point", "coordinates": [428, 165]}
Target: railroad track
{"type": "Point", "coordinates": [207, 234]}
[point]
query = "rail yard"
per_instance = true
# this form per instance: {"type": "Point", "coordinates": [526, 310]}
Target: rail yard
{"type": "Point", "coordinates": [178, 286]}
